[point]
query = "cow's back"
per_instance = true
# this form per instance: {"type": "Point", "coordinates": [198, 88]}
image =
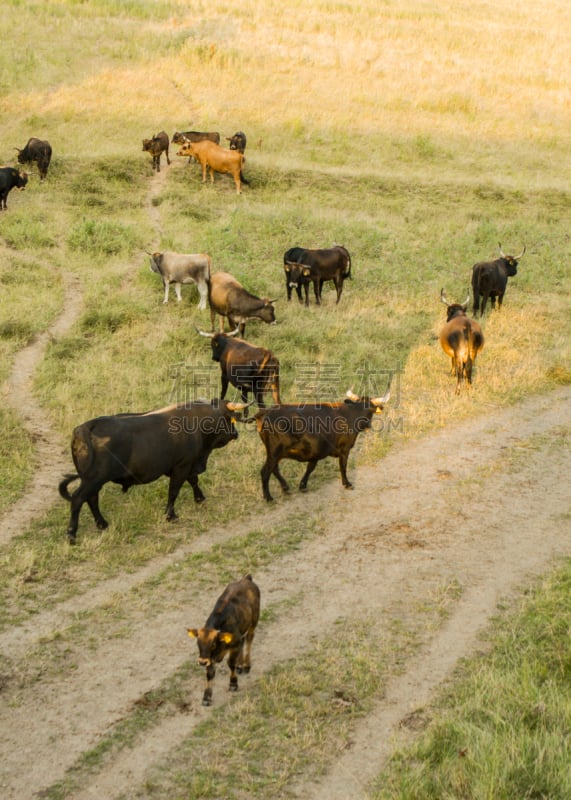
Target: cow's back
{"type": "Point", "coordinates": [238, 606]}
{"type": "Point", "coordinates": [223, 290]}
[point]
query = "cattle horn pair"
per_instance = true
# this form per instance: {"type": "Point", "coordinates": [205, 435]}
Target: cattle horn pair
{"type": "Point", "coordinates": [211, 335]}
{"type": "Point", "coordinates": [375, 401]}
{"type": "Point", "coordinates": [446, 303]}
{"type": "Point", "coordinates": [516, 258]}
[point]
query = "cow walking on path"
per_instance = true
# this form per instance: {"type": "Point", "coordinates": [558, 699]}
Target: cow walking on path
{"type": "Point", "coordinates": [156, 146]}
{"type": "Point", "coordinates": [311, 432]}
{"type": "Point", "coordinates": [229, 631]}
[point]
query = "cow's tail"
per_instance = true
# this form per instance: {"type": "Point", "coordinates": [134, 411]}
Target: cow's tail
{"type": "Point", "coordinates": [62, 488]}
{"type": "Point", "coordinates": [348, 273]}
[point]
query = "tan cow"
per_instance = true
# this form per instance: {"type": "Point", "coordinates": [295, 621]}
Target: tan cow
{"type": "Point", "coordinates": [217, 159]}
{"type": "Point", "coordinates": [461, 338]}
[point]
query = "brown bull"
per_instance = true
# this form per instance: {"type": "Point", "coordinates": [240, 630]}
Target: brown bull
{"type": "Point", "coordinates": [462, 339]}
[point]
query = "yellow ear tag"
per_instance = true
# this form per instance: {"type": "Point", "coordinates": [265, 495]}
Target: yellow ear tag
{"type": "Point", "coordinates": [233, 419]}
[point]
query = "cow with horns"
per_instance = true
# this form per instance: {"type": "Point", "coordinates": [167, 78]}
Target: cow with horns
{"type": "Point", "coordinates": [247, 367]}
{"type": "Point", "coordinates": [310, 432]}
{"type": "Point", "coordinates": [490, 279]}
{"type": "Point", "coordinates": [461, 338]}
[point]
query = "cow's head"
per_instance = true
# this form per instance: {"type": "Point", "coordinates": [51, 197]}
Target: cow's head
{"type": "Point", "coordinates": [22, 180]}
{"type": "Point", "coordinates": [219, 341]}
{"type": "Point", "coordinates": [373, 405]}
{"type": "Point", "coordinates": [147, 144]}
{"type": "Point", "coordinates": [510, 262]}
{"type": "Point", "coordinates": [297, 274]}
{"type": "Point", "coordinates": [212, 644]}
{"type": "Point", "coordinates": [454, 309]}
{"type": "Point", "coordinates": [155, 260]}
{"type": "Point", "coordinates": [266, 312]}
{"type": "Point", "coordinates": [187, 149]}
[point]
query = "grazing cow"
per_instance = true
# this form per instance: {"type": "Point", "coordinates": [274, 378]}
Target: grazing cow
{"type": "Point", "coordinates": [179, 268]}
{"type": "Point", "coordinates": [217, 159]}
{"type": "Point", "coordinates": [247, 367]}
{"type": "Point", "coordinates": [231, 624]}
{"type": "Point", "coordinates": [132, 449]}
{"type": "Point", "coordinates": [461, 338]}
{"type": "Point", "coordinates": [156, 146]}
{"type": "Point", "coordinates": [238, 141]}
{"type": "Point", "coordinates": [228, 298]}
{"type": "Point", "coordinates": [38, 151]}
{"type": "Point", "coordinates": [312, 431]}
{"type": "Point", "coordinates": [195, 136]}
{"type": "Point", "coordinates": [10, 178]}
{"type": "Point", "coordinates": [490, 279]}
{"type": "Point", "coordinates": [318, 266]}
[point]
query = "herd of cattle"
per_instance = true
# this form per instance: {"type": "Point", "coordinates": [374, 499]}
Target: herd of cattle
{"type": "Point", "coordinates": [137, 448]}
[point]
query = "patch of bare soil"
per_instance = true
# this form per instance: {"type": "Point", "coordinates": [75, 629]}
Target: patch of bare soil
{"type": "Point", "coordinates": [480, 505]}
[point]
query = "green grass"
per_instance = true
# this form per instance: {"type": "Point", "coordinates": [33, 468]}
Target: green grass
{"type": "Point", "coordinates": [501, 730]}
{"type": "Point", "coordinates": [416, 152]}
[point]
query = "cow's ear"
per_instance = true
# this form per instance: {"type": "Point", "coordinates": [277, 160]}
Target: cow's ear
{"type": "Point", "coordinates": [192, 632]}
{"type": "Point", "coordinates": [225, 637]}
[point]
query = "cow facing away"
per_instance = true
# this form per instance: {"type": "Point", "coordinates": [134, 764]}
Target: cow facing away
{"type": "Point", "coordinates": [229, 631]}
{"type": "Point", "coordinates": [462, 339]}
{"type": "Point", "coordinates": [490, 279]}
{"type": "Point", "coordinates": [37, 151]}
{"type": "Point", "coordinates": [217, 159]}
{"type": "Point", "coordinates": [317, 267]}
{"type": "Point", "coordinates": [156, 146]}
{"type": "Point", "coordinates": [10, 178]}
{"type": "Point", "coordinates": [237, 141]}
{"type": "Point", "coordinates": [228, 298]}
{"type": "Point", "coordinates": [179, 268]}
{"type": "Point", "coordinates": [311, 432]}
{"type": "Point", "coordinates": [133, 449]}
{"type": "Point", "coordinates": [249, 368]}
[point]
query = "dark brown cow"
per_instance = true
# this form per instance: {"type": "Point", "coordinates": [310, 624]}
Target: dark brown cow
{"type": "Point", "coordinates": [156, 146]}
{"type": "Point", "coordinates": [133, 449]}
{"type": "Point", "coordinates": [490, 279]}
{"type": "Point", "coordinates": [318, 266]}
{"type": "Point", "coordinates": [228, 298]}
{"type": "Point", "coordinates": [228, 631]}
{"type": "Point", "coordinates": [311, 432]}
{"type": "Point", "coordinates": [10, 178]}
{"type": "Point", "coordinates": [237, 141]}
{"type": "Point", "coordinates": [247, 367]}
{"type": "Point", "coordinates": [195, 136]}
{"type": "Point", "coordinates": [38, 151]}
{"type": "Point", "coordinates": [217, 159]}
{"type": "Point", "coordinates": [462, 339]}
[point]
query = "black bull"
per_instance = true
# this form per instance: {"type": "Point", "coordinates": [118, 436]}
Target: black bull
{"type": "Point", "coordinates": [303, 266]}
{"type": "Point", "coordinates": [132, 449]}
{"type": "Point", "coordinates": [311, 432]}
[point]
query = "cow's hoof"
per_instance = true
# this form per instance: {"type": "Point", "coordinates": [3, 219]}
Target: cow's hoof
{"type": "Point", "coordinates": [233, 687]}
{"type": "Point", "coordinates": [206, 701]}
{"type": "Point", "coordinates": [71, 540]}
{"type": "Point", "coordinates": [103, 525]}
{"type": "Point", "coordinates": [348, 485]}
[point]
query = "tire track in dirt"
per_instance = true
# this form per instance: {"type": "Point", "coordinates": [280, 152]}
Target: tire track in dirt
{"type": "Point", "coordinates": [394, 536]}
{"type": "Point", "coordinates": [50, 457]}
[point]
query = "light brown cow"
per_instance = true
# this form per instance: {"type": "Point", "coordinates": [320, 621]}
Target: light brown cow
{"type": "Point", "coordinates": [217, 159]}
{"type": "Point", "coordinates": [228, 298]}
{"type": "Point", "coordinates": [461, 338]}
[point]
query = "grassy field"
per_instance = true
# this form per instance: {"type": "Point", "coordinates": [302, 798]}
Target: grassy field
{"type": "Point", "coordinates": [418, 135]}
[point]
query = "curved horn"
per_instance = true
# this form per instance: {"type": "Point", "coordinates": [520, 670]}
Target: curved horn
{"type": "Point", "coordinates": [238, 406]}
{"type": "Point", "coordinates": [517, 258]}
{"type": "Point", "coordinates": [380, 401]}
{"type": "Point", "coordinates": [203, 333]}
{"type": "Point", "coordinates": [467, 300]}
{"type": "Point", "coordinates": [234, 332]}
{"type": "Point", "coordinates": [443, 298]}
{"type": "Point", "coordinates": [503, 255]}
{"type": "Point", "coordinates": [352, 396]}
{"type": "Point", "coordinates": [149, 254]}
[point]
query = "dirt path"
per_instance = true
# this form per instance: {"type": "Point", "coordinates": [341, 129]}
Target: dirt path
{"type": "Point", "coordinates": [51, 457]}
{"type": "Point", "coordinates": [481, 505]}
